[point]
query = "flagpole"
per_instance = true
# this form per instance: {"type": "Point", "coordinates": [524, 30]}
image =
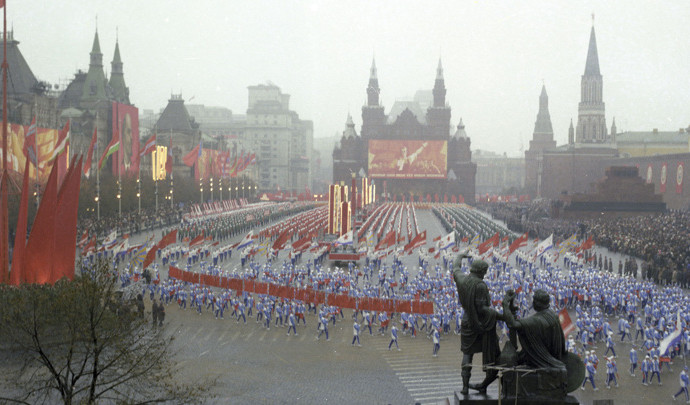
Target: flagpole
{"type": "Point", "coordinates": [155, 171]}
{"type": "Point", "coordinates": [220, 180]}
{"type": "Point", "coordinates": [119, 163]}
{"type": "Point", "coordinates": [69, 134]}
{"type": "Point", "coordinates": [4, 238]}
{"type": "Point", "coordinates": [139, 186]}
{"type": "Point", "coordinates": [38, 184]}
{"type": "Point", "coordinates": [171, 188]}
{"type": "Point", "coordinates": [172, 172]}
{"type": "Point", "coordinates": [98, 175]}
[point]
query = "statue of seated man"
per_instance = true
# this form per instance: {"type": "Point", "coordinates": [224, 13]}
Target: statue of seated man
{"type": "Point", "coordinates": [541, 336]}
{"type": "Point", "coordinates": [542, 344]}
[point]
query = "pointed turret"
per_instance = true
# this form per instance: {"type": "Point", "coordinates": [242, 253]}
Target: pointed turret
{"type": "Point", "coordinates": [614, 130]}
{"type": "Point", "coordinates": [460, 132]}
{"type": "Point", "coordinates": [439, 70]}
{"type": "Point", "coordinates": [543, 130]}
{"type": "Point", "coordinates": [349, 128]}
{"type": "Point", "coordinates": [373, 89]}
{"type": "Point", "coordinates": [571, 133]}
{"type": "Point", "coordinates": [95, 82]}
{"type": "Point", "coordinates": [96, 55]}
{"type": "Point", "coordinates": [439, 87]}
{"type": "Point", "coordinates": [117, 78]}
{"type": "Point", "coordinates": [592, 65]}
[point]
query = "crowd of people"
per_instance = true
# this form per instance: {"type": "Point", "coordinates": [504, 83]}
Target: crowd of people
{"type": "Point", "coordinates": [659, 240]}
{"type": "Point", "coordinates": [134, 221]}
{"type": "Point", "coordinates": [601, 297]}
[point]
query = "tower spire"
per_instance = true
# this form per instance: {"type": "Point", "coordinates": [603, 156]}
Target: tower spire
{"type": "Point", "coordinates": [373, 89]}
{"type": "Point", "coordinates": [591, 122]}
{"type": "Point", "coordinates": [592, 65]}
{"type": "Point", "coordinates": [543, 130]}
{"type": "Point", "coordinates": [439, 90]}
{"type": "Point", "coordinates": [117, 77]}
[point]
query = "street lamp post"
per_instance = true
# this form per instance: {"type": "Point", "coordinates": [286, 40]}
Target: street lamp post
{"type": "Point", "coordinates": [201, 190]}
{"type": "Point", "coordinates": [139, 193]}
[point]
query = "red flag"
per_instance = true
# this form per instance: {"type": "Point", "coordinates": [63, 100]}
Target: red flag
{"type": "Point", "coordinates": [418, 241]}
{"type": "Point", "coordinates": [16, 277]}
{"type": "Point", "coordinates": [281, 240]}
{"type": "Point", "coordinates": [387, 241]}
{"type": "Point", "coordinates": [90, 247]}
{"type": "Point", "coordinates": [518, 243]}
{"type": "Point", "coordinates": [39, 249]}
{"type": "Point", "coordinates": [198, 240]}
{"type": "Point", "coordinates": [84, 239]}
{"type": "Point", "coordinates": [89, 154]}
{"type": "Point", "coordinates": [491, 242]}
{"type": "Point", "coordinates": [112, 147]}
{"type": "Point", "coordinates": [149, 146]}
{"type": "Point", "coordinates": [168, 239]}
{"type": "Point", "coordinates": [586, 245]}
{"type": "Point", "coordinates": [65, 233]}
{"type": "Point", "coordinates": [190, 158]}
{"type": "Point", "coordinates": [150, 256]}
{"type": "Point", "coordinates": [169, 159]}
{"type": "Point", "coordinates": [566, 324]}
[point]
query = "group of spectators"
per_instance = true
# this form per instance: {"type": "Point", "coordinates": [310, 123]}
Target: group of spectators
{"type": "Point", "coordinates": [660, 240]}
{"type": "Point", "coordinates": [534, 218]}
{"type": "Point", "coordinates": [133, 221]}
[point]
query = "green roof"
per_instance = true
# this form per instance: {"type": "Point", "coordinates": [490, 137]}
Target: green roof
{"type": "Point", "coordinates": [670, 137]}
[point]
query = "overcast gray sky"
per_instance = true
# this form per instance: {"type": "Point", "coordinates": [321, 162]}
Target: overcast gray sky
{"type": "Point", "coordinates": [495, 56]}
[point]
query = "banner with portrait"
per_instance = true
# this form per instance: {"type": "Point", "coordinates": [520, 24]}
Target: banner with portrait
{"type": "Point", "coordinates": [46, 141]}
{"type": "Point", "coordinates": [664, 175]}
{"type": "Point", "coordinates": [650, 174]}
{"type": "Point", "coordinates": [126, 123]}
{"type": "Point", "coordinates": [208, 164]}
{"type": "Point", "coordinates": [407, 159]}
{"type": "Point", "coordinates": [679, 178]}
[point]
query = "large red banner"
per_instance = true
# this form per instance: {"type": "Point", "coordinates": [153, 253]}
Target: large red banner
{"type": "Point", "coordinates": [305, 294]}
{"type": "Point", "coordinates": [408, 159]}
{"type": "Point", "coordinates": [126, 123]}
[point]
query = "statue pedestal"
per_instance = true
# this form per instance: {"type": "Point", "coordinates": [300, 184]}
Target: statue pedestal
{"type": "Point", "coordinates": [492, 399]}
{"type": "Point", "coordinates": [544, 383]}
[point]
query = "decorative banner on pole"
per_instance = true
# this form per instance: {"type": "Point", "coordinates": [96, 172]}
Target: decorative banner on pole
{"type": "Point", "coordinates": [649, 173]}
{"type": "Point", "coordinates": [679, 178]}
{"type": "Point", "coordinates": [662, 186]}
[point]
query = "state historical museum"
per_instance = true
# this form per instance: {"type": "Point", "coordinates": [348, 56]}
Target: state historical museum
{"type": "Point", "coordinates": [408, 153]}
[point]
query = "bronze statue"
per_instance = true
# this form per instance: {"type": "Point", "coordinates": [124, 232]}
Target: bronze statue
{"type": "Point", "coordinates": [478, 327]}
{"type": "Point", "coordinates": [554, 371]}
{"type": "Point", "coordinates": [541, 335]}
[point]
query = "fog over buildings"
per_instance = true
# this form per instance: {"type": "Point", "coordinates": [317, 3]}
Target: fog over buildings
{"type": "Point", "coordinates": [496, 56]}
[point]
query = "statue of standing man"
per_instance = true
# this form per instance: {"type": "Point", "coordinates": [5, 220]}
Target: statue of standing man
{"type": "Point", "coordinates": [478, 327]}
